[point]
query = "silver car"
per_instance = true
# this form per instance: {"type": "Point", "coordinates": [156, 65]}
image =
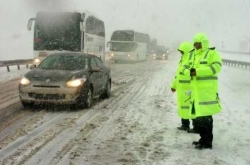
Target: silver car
{"type": "Point", "coordinates": [66, 78]}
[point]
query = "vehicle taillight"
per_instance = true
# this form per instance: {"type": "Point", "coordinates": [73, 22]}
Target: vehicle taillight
{"type": "Point", "coordinates": [37, 39]}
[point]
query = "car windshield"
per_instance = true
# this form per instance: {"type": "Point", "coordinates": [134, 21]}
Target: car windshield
{"type": "Point", "coordinates": [64, 62]}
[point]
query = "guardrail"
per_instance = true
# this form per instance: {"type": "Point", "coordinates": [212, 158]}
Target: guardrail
{"type": "Point", "coordinates": [236, 63]}
{"type": "Point", "coordinates": [16, 62]}
{"type": "Point", "coordinates": [30, 61]}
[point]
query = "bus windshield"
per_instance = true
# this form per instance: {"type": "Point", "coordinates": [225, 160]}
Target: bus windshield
{"type": "Point", "coordinates": [122, 36]}
{"type": "Point", "coordinates": [160, 50]}
{"type": "Point", "coordinates": [57, 31]}
{"type": "Point", "coordinates": [123, 46]}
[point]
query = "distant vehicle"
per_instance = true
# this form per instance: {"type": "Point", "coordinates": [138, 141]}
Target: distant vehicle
{"type": "Point", "coordinates": [67, 31]}
{"type": "Point", "coordinates": [129, 45]}
{"type": "Point", "coordinates": [160, 53]}
{"type": "Point", "coordinates": [66, 78]}
{"type": "Point", "coordinates": [153, 44]}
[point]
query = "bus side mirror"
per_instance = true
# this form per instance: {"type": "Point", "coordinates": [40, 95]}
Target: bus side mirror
{"type": "Point", "coordinates": [108, 43]}
{"type": "Point", "coordinates": [81, 26]}
{"type": "Point", "coordinates": [30, 23]}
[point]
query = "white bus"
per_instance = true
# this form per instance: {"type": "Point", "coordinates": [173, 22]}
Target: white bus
{"type": "Point", "coordinates": [129, 45]}
{"type": "Point", "coordinates": [67, 31]}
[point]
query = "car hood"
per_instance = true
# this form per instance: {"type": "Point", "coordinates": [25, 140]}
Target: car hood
{"type": "Point", "coordinates": [54, 75]}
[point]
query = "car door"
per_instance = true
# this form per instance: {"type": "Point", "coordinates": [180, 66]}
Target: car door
{"type": "Point", "coordinates": [104, 73]}
{"type": "Point", "coordinates": [95, 76]}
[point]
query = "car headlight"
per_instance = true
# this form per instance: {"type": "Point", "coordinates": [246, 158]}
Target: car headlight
{"type": "Point", "coordinates": [164, 55]}
{"type": "Point", "coordinates": [112, 54]}
{"type": "Point", "coordinates": [37, 60]}
{"type": "Point", "coordinates": [154, 54]}
{"type": "Point", "coordinates": [76, 82]}
{"type": "Point", "coordinates": [129, 55]}
{"type": "Point", "coordinates": [25, 81]}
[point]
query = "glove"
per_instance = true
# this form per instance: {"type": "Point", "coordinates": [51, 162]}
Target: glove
{"type": "Point", "coordinates": [173, 90]}
{"type": "Point", "coordinates": [186, 72]}
{"type": "Point", "coordinates": [192, 72]}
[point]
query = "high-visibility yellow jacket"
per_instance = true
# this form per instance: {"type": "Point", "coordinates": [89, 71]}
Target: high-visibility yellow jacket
{"type": "Point", "coordinates": [181, 83]}
{"type": "Point", "coordinates": [204, 86]}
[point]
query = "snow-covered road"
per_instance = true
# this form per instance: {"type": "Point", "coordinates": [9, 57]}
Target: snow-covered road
{"type": "Point", "coordinates": [137, 125]}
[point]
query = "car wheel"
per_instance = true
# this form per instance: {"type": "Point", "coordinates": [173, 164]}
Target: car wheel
{"type": "Point", "coordinates": [107, 91]}
{"type": "Point", "coordinates": [88, 98]}
{"type": "Point", "coordinates": [27, 104]}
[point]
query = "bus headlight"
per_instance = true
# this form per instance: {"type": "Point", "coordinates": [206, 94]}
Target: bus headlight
{"type": "Point", "coordinates": [37, 60]}
{"type": "Point", "coordinates": [25, 81]}
{"type": "Point", "coordinates": [76, 82]}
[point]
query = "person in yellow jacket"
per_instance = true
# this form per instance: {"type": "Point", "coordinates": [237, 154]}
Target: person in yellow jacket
{"type": "Point", "coordinates": [204, 65]}
{"type": "Point", "coordinates": [181, 84]}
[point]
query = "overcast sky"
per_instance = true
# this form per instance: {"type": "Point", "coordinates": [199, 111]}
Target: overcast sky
{"type": "Point", "coordinates": [170, 21]}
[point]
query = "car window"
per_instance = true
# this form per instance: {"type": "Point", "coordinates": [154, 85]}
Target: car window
{"type": "Point", "coordinates": [99, 62]}
{"type": "Point", "coordinates": [93, 63]}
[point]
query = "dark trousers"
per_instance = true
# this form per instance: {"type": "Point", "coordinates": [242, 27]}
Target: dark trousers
{"type": "Point", "coordinates": [205, 129]}
{"type": "Point", "coordinates": [186, 123]}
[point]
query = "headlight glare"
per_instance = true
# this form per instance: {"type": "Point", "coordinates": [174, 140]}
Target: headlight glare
{"type": "Point", "coordinates": [25, 81]}
{"type": "Point", "coordinates": [76, 82]}
{"type": "Point", "coordinates": [37, 60]}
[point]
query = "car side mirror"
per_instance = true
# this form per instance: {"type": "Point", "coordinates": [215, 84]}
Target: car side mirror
{"type": "Point", "coordinates": [96, 70]}
{"type": "Point", "coordinates": [32, 66]}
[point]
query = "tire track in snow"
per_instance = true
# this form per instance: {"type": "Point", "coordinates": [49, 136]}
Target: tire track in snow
{"type": "Point", "coordinates": [112, 129]}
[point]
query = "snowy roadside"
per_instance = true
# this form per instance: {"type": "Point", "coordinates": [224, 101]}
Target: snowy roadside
{"type": "Point", "coordinates": [13, 74]}
{"type": "Point", "coordinates": [235, 56]}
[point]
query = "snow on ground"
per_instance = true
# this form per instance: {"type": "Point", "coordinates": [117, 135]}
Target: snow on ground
{"type": "Point", "coordinates": [139, 126]}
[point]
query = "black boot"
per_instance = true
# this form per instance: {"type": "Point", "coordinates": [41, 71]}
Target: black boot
{"type": "Point", "coordinates": [192, 131]}
{"type": "Point", "coordinates": [183, 128]}
{"type": "Point", "coordinates": [195, 143]}
{"type": "Point", "coordinates": [203, 146]}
